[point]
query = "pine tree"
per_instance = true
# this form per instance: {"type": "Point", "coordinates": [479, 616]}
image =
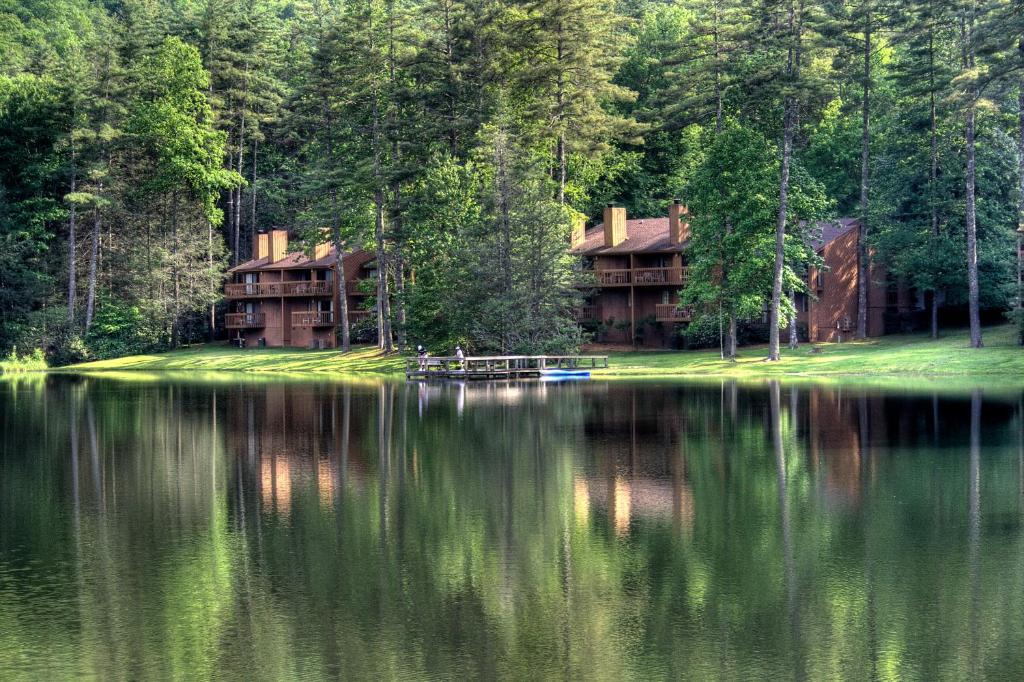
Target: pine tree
{"type": "Point", "coordinates": [572, 47]}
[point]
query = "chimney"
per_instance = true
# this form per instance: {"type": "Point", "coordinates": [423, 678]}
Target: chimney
{"type": "Point", "coordinates": [322, 247]}
{"type": "Point", "coordinates": [678, 225]}
{"type": "Point", "coordinates": [614, 225]}
{"type": "Point", "coordinates": [278, 245]}
{"type": "Point", "coordinates": [579, 231]}
{"type": "Point", "coordinates": [261, 246]}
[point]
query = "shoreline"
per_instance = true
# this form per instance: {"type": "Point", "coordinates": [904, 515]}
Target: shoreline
{"type": "Point", "coordinates": [891, 360]}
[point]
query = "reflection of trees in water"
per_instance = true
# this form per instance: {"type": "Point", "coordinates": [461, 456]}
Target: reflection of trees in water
{"type": "Point", "coordinates": [509, 530]}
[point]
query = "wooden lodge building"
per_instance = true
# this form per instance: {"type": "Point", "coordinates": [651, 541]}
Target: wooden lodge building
{"type": "Point", "coordinates": [282, 298]}
{"type": "Point", "coordinates": [633, 273]}
{"type": "Point", "coordinates": [636, 268]}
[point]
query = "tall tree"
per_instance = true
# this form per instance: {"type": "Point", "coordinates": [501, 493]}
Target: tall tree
{"type": "Point", "coordinates": [573, 46]}
{"type": "Point", "coordinates": [180, 155]}
{"type": "Point", "coordinates": [792, 39]}
{"type": "Point", "coordinates": [731, 255]}
{"type": "Point", "coordinates": [970, 95]}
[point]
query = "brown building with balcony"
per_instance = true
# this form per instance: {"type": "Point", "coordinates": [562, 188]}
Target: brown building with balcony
{"type": "Point", "coordinates": [634, 270]}
{"type": "Point", "coordinates": [282, 298]}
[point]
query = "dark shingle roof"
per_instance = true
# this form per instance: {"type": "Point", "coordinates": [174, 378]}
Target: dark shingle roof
{"type": "Point", "coordinates": [828, 232]}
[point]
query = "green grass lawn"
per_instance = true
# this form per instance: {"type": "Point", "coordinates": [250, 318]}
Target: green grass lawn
{"type": "Point", "coordinates": [891, 359]}
{"type": "Point", "coordinates": [905, 355]}
{"type": "Point", "coordinates": [221, 357]}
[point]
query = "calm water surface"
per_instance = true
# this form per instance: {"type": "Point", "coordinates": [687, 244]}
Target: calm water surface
{"type": "Point", "coordinates": [174, 530]}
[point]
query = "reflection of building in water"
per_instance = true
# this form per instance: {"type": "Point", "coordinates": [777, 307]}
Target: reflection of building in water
{"type": "Point", "coordinates": [639, 467]}
{"type": "Point", "coordinates": [834, 439]}
{"type": "Point", "coordinates": [624, 498]}
{"type": "Point", "coordinates": [276, 484]}
{"type": "Point", "coordinates": [298, 439]}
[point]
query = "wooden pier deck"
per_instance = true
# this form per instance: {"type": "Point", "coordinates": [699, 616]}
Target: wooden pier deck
{"type": "Point", "coordinates": [499, 366]}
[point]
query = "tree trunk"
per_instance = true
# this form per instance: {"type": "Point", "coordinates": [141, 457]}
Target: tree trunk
{"type": "Point", "coordinates": [732, 342]}
{"type": "Point", "coordinates": [970, 211]}
{"type": "Point", "coordinates": [72, 247]}
{"type": "Point", "coordinates": [1020, 203]}
{"type": "Point", "coordinates": [780, 232]}
{"type": "Point", "coordinates": [94, 256]}
{"type": "Point", "coordinates": [346, 336]}
{"type": "Point", "coordinates": [238, 191]}
{"type": "Point", "coordinates": [933, 177]}
{"type": "Point", "coordinates": [398, 270]}
{"type": "Point", "coordinates": [174, 266]}
{"type": "Point", "coordinates": [935, 314]}
{"type": "Point", "coordinates": [213, 281]}
{"type": "Point", "coordinates": [252, 192]}
{"type": "Point", "coordinates": [504, 230]}
{"type": "Point", "coordinates": [794, 341]}
{"type": "Point", "coordinates": [863, 263]}
{"type": "Point", "coordinates": [718, 69]}
{"type": "Point", "coordinates": [560, 115]}
{"type": "Point", "coordinates": [383, 304]}
{"type": "Point", "coordinates": [788, 123]}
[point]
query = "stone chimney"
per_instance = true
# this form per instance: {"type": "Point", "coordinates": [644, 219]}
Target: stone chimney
{"type": "Point", "coordinates": [323, 247]}
{"type": "Point", "coordinates": [278, 245]}
{"type": "Point", "coordinates": [614, 225]}
{"type": "Point", "coordinates": [579, 231]}
{"type": "Point", "coordinates": [260, 245]}
{"type": "Point", "coordinates": [678, 225]}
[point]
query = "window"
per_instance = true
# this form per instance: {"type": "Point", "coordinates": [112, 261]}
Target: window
{"type": "Point", "coordinates": [666, 297]}
{"type": "Point", "coordinates": [819, 280]}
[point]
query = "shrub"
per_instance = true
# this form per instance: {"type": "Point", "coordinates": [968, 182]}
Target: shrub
{"type": "Point", "coordinates": [68, 348]}
{"type": "Point", "coordinates": [32, 362]}
{"type": "Point", "coordinates": [120, 329]}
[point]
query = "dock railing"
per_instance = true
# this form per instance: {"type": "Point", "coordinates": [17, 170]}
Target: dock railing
{"type": "Point", "coordinates": [499, 365]}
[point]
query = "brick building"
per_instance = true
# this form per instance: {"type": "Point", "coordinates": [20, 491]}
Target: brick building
{"type": "Point", "coordinates": [282, 298]}
{"type": "Point", "coordinates": [830, 313]}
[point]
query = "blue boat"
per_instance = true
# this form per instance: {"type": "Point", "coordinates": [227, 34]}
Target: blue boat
{"type": "Point", "coordinates": [565, 374]}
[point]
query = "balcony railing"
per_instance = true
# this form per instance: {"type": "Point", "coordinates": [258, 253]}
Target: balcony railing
{"type": "Point", "coordinates": [313, 318]}
{"type": "Point", "coordinates": [638, 277]}
{"type": "Point", "coordinates": [659, 276]}
{"type": "Point", "coordinates": [359, 316]}
{"type": "Point", "coordinates": [586, 312]}
{"type": "Point", "coordinates": [245, 320]}
{"type": "Point", "coordinates": [669, 312]}
{"type": "Point", "coordinates": [317, 287]}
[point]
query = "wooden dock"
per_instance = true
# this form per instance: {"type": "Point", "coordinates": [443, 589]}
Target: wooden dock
{"type": "Point", "coordinates": [499, 366]}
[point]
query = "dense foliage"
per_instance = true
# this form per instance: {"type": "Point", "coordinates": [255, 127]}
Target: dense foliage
{"type": "Point", "coordinates": [143, 143]}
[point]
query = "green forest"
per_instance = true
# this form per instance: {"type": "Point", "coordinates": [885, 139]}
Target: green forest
{"type": "Point", "coordinates": [144, 142]}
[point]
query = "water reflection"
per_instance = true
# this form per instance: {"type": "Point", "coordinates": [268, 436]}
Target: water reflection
{"type": "Point", "coordinates": [508, 530]}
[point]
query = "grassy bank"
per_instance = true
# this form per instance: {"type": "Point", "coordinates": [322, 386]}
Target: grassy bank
{"type": "Point", "coordinates": [894, 358]}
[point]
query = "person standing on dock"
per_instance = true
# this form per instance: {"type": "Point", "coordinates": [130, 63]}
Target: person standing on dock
{"type": "Point", "coordinates": [461, 357]}
{"type": "Point", "coordinates": [421, 353]}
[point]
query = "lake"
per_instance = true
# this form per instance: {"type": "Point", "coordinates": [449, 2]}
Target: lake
{"type": "Point", "coordinates": [243, 529]}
